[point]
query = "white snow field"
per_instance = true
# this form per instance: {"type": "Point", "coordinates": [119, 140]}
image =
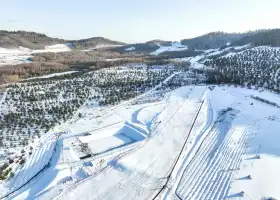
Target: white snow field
{"type": "Point", "coordinates": [21, 54]}
{"type": "Point", "coordinates": [219, 164]}
{"type": "Point", "coordinates": [200, 142]}
{"type": "Point", "coordinates": [130, 49]}
{"type": "Point", "coordinates": [175, 46]}
{"type": "Point", "coordinates": [51, 75]}
{"type": "Point", "coordinates": [138, 175]}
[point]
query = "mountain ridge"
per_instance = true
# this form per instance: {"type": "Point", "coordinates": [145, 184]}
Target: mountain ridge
{"type": "Point", "coordinates": [211, 40]}
{"type": "Point", "coordinates": [34, 40]}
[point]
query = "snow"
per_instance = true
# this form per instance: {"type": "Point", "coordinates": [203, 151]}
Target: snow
{"type": "Point", "coordinates": [175, 46]}
{"type": "Point", "coordinates": [264, 142]}
{"type": "Point", "coordinates": [146, 115]}
{"type": "Point", "coordinates": [35, 163]}
{"type": "Point", "coordinates": [144, 167]}
{"type": "Point", "coordinates": [113, 136]}
{"type": "Point", "coordinates": [20, 50]}
{"type": "Point", "coordinates": [213, 52]}
{"type": "Point", "coordinates": [193, 60]}
{"type": "Point", "coordinates": [21, 54]}
{"type": "Point", "coordinates": [58, 47]}
{"type": "Point", "coordinates": [242, 47]}
{"type": "Point", "coordinates": [223, 159]}
{"type": "Point", "coordinates": [104, 144]}
{"type": "Point", "coordinates": [97, 117]}
{"type": "Point", "coordinates": [230, 130]}
{"type": "Point", "coordinates": [14, 56]}
{"type": "Point", "coordinates": [130, 49]}
{"type": "Point", "coordinates": [52, 75]}
{"type": "Point", "coordinates": [100, 46]}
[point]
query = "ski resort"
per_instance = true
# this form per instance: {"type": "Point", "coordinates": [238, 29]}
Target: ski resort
{"type": "Point", "coordinates": [189, 145]}
{"type": "Point", "coordinates": [181, 103]}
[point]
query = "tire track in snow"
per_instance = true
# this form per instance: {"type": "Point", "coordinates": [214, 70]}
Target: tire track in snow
{"type": "Point", "coordinates": [208, 141]}
{"type": "Point", "coordinates": [213, 169]}
{"type": "Point", "coordinates": [235, 163]}
{"type": "Point", "coordinates": [195, 164]}
{"type": "Point", "coordinates": [225, 175]}
{"type": "Point", "coordinates": [214, 178]}
{"type": "Point", "coordinates": [199, 165]}
{"type": "Point", "coordinates": [188, 155]}
{"type": "Point", "coordinates": [221, 179]}
{"type": "Point", "coordinates": [209, 159]}
{"type": "Point", "coordinates": [250, 130]}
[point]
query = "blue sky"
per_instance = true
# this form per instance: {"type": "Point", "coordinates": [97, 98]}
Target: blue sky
{"type": "Point", "coordinates": [138, 21]}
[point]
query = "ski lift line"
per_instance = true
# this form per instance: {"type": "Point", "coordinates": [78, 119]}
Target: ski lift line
{"type": "Point", "coordinates": [179, 155]}
{"type": "Point", "coordinates": [81, 144]}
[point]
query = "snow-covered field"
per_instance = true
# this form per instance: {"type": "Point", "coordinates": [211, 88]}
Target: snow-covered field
{"type": "Point", "coordinates": [51, 75]}
{"type": "Point", "coordinates": [140, 148]}
{"type": "Point", "coordinates": [21, 54]}
{"type": "Point", "coordinates": [176, 46]}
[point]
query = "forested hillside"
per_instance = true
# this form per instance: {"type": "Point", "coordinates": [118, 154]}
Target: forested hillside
{"type": "Point", "coordinates": [265, 37]}
{"type": "Point", "coordinates": [212, 40]}
{"type": "Point", "coordinates": [259, 66]}
{"type": "Point", "coordinates": [33, 40]}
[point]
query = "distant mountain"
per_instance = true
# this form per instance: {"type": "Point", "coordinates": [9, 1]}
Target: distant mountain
{"type": "Point", "coordinates": [220, 39]}
{"type": "Point", "coordinates": [35, 40]}
{"type": "Point", "coordinates": [30, 40]}
{"type": "Point", "coordinates": [160, 42]}
{"type": "Point", "coordinates": [213, 40]}
{"type": "Point", "coordinates": [260, 38]}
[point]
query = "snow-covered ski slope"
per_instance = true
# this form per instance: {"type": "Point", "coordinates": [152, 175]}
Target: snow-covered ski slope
{"type": "Point", "coordinates": [40, 157]}
{"type": "Point", "coordinates": [140, 174]}
{"type": "Point", "coordinates": [233, 136]}
{"type": "Point", "coordinates": [228, 152]}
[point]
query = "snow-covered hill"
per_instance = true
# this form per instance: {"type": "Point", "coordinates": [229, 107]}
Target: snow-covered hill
{"type": "Point", "coordinates": [231, 137]}
{"type": "Point", "coordinates": [231, 149]}
{"type": "Point", "coordinates": [132, 131]}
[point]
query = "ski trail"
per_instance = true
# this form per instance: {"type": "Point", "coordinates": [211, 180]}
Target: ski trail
{"type": "Point", "coordinates": [208, 159]}
{"type": "Point", "coordinates": [214, 168]}
{"type": "Point", "coordinates": [210, 173]}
